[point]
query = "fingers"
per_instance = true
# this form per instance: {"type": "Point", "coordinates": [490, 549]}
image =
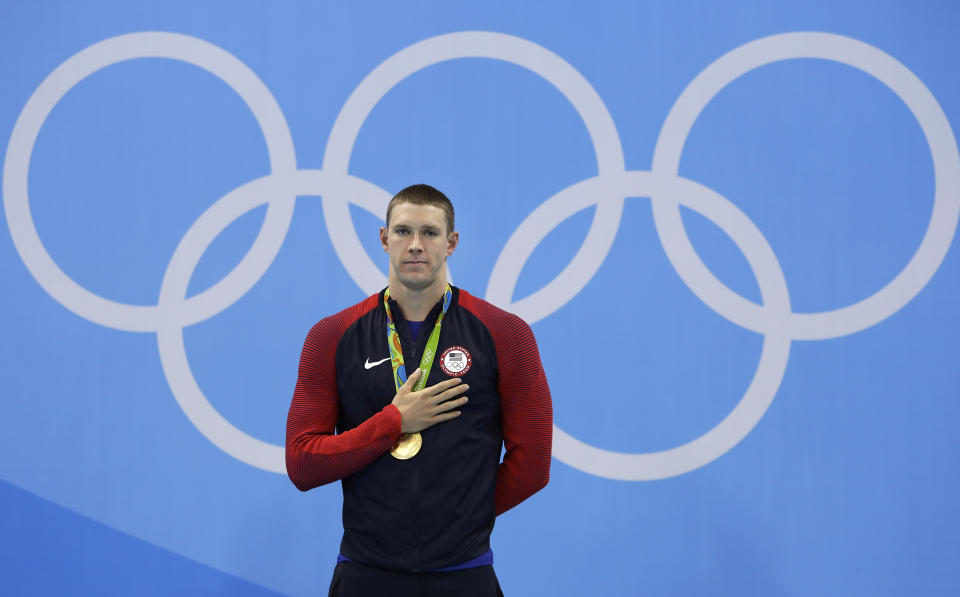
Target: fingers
{"type": "Point", "coordinates": [411, 380]}
{"type": "Point", "coordinates": [446, 416]}
{"type": "Point", "coordinates": [446, 395]}
{"type": "Point", "coordinates": [427, 412]}
{"type": "Point", "coordinates": [443, 385]}
{"type": "Point", "coordinates": [446, 407]}
{"type": "Point", "coordinates": [448, 388]}
{"type": "Point", "coordinates": [436, 404]}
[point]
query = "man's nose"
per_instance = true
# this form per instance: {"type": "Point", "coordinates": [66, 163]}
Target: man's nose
{"type": "Point", "coordinates": [416, 246]}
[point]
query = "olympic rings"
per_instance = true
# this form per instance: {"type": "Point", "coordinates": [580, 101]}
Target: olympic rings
{"type": "Point", "coordinates": [774, 318]}
{"type": "Point", "coordinates": [135, 318]}
{"type": "Point", "coordinates": [468, 44]}
{"type": "Point", "coordinates": [946, 164]}
{"type": "Point", "coordinates": [173, 353]}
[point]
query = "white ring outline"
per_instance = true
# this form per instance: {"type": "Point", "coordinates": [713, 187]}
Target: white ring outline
{"type": "Point", "coordinates": [76, 298]}
{"type": "Point", "coordinates": [702, 282]}
{"type": "Point", "coordinates": [173, 354]}
{"type": "Point", "coordinates": [872, 61]}
{"type": "Point", "coordinates": [773, 357]}
{"type": "Point", "coordinates": [661, 186]}
{"type": "Point", "coordinates": [473, 44]}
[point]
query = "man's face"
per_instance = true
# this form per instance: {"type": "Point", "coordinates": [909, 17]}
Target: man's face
{"type": "Point", "coordinates": [418, 243]}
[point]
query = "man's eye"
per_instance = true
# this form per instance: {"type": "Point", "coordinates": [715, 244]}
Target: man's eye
{"type": "Point", "coordinates": [430, 232]}
{"type": "Point", "coordinates": [401, 230]}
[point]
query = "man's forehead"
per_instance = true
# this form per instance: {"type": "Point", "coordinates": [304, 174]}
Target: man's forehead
{"type": "Point", "coordinates": [411, 214]}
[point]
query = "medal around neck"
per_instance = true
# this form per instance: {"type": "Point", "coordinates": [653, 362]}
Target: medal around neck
{"type": "Point", "coordinates": [409, 444]}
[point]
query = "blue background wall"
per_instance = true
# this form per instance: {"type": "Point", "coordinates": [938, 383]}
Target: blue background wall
{"type": "Point", "coordinates": [706, 444]}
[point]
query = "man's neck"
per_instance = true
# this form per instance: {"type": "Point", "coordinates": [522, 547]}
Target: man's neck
{"type": "Point", "coordinates": [416, 304]}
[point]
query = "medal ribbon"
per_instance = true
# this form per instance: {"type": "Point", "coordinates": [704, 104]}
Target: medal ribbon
{"type": "Point", "coordinates": [396, 351]}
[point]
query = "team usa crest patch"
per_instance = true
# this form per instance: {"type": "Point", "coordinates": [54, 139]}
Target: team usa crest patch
{"type": "Point", "coordinates": [455, 361]}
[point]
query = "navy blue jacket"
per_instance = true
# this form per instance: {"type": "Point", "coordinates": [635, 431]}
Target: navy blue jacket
{"type": "Point", "coordinates": [438, 508]}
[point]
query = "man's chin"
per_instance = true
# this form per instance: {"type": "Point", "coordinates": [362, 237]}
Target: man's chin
{"type": "Point", "coordinates": [416, 284]}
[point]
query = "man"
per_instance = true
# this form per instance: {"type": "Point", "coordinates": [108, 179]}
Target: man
{"type": "Point", "coordinates": [419, 455]}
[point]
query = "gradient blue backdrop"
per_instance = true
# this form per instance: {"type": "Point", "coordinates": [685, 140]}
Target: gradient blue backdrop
{"type": "Point", "coordinates": [848, 484]}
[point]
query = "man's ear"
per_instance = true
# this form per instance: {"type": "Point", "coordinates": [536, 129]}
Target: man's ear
{"type": "Point", "coordinates": [453, 239]}
{"type": "Point", "coordinates": [383, 239]}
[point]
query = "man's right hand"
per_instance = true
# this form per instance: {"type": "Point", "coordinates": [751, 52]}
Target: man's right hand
{"type": "Point", "coordinates": [429, 406]}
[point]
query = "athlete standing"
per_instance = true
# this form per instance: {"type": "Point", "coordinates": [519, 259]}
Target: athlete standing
{"type": "Point", "coordinates": [423, 384]}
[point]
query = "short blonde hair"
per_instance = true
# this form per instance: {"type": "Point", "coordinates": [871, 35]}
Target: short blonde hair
{"type": "Point", "coordinates": [423, 194]}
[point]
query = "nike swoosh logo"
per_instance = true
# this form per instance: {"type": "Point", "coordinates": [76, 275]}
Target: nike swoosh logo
{"type": "Point", "coordinates": [369, 365]}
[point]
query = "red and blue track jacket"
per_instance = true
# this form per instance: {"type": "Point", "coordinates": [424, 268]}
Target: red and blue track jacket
{"type": "Point", "coordinates": [436, 509]}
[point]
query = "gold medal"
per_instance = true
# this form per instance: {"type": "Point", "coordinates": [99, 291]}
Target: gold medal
{"type": "Point", "coordinates": [407, 446]}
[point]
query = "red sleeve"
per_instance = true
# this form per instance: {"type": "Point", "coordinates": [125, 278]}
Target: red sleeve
{"type": "Point", "coordinates": [315, 456]}
{"type": "Point", "coordinates": [526, 410]}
